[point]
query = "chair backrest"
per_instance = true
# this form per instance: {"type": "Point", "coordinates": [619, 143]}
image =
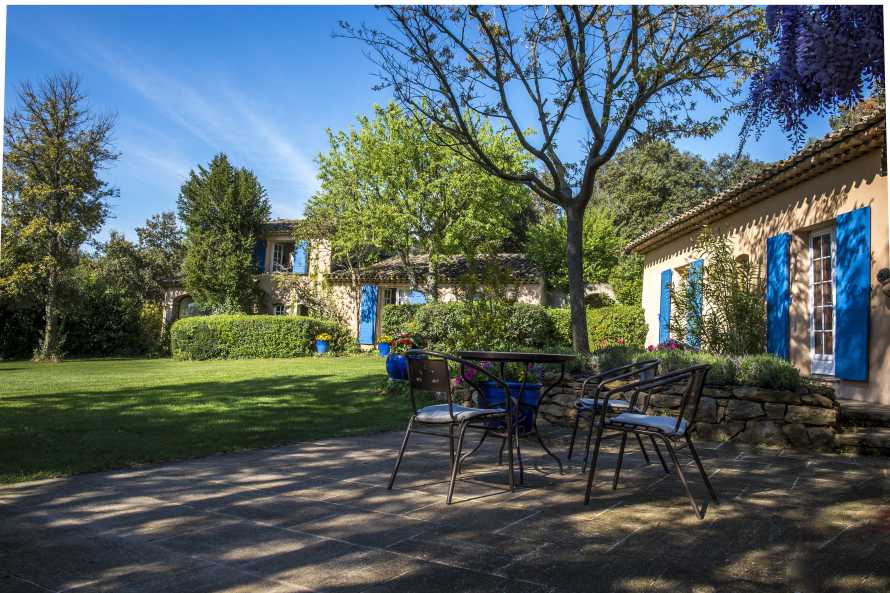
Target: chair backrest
{"type": "Point", "coordinates": [691, 378]}
{"type": "Point", "coordinates": [635, 371]}
{"type": "Point", "coordinates": [429, 371]}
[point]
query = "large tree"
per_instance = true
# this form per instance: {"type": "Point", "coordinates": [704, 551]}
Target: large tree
{"type": "Point", "coordinates": [617, 71]}
{"type": "Point", "coordinates": [53, 197]}
{"type": "Point", "coordinates": [645, 185]}
{"type": "Point", "coordinates": [397, 187]}
{"type": "Point", "coordinates": [223, 209]}
{"type": "Point", "coordinates": [161, 248]}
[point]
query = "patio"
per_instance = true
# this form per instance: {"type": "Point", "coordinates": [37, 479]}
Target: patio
{"type": "Point", "coordinates": [317, 517]}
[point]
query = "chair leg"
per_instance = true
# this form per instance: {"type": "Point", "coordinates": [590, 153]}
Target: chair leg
{"type": "Point", "coordinates": [701, 469]}
{"type": "Point", "coordinates": [596, 453]}
{"type": "Point", "coordinates": [574, 433]}
{"type": "Point", "coordinates": [698, 512]}
{"type": "Point", "coordinates": [395, 470]}
{"type": "Point", "coordinates": [519, 459]}
{"type": "Point", "coordinates": [620, 459]}
{"type": "Point", "coordinates": [450, 446]}
{"type": "Point", "coordinates": [510, 459]}
{"type": "Point", "coordinates": [643, 449]}
{"type": "Point", "coordinates": [501, 452]}
{"type": "Point", "coordinates": [460, 444]}
{"type": "Point", "coordinates": [660, 457]}
{"type": "Point", "coordinates": [461, 461]}
{"type": "Point", "coordinates": [587, 446]}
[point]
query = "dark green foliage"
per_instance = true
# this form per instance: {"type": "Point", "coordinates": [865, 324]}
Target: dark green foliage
{"type": "Point", "coordinates": [765, 370]}
{"type": "Point", "coordinates": [223, 208]}
{"type": "Point", "coordinates": [162, 250]}
{"type": "Point", "coordinates": [759, 370]}
{"type": "Point", "coordinates": [397, 319]}
{"type": "Point", "coordinates": [645, 185]}
{"type": "Point", "coordinates": [20, 323]}
{"type": "Point", "coordinates": [605, 325]}
{"type": "Point", "coordinates": [251, 336]}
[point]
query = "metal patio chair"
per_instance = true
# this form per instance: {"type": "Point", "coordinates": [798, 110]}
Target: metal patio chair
{"type": "Point", "coordinates": [590, 406]}
{"type": "Point", "coordinates": [428, 371]}
{"type": "Point", "coordinates": [673, 431]}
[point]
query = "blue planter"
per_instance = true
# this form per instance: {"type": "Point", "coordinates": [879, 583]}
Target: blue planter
{"type": "Point", "coordinates": [322, 346]}
{"type": "Point", "coordinates": [383, 349]}
{"type": "Point", "coordinates": [493, 396]}
{"type": "Point", "coordinates": [397, 367]}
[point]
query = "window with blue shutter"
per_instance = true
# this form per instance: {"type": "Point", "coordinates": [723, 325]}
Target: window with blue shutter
{"type": "Point", "coordinates": [853, 282]}
{"type": "Point", "coordinates": [259, 255]}
{"type": "Point", "coordinates": [368, 315]}
{"type": "Point", "coordinates": [664, 312]}
{"type": "Point", "coordinates": [301, 258]}
{"type": "Point", "coordinates": [693, 319]}
{"type": "Point", "coordinates": [778, 295]}
{"type": "Point", "coordinates": [415, 297]}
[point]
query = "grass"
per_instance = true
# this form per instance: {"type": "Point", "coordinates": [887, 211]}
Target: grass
{"type": "Point", "coordinates": [90, 415]}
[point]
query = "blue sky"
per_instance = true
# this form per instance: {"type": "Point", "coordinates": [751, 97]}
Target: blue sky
{"type": "Point", "coordinates": [262, 84]}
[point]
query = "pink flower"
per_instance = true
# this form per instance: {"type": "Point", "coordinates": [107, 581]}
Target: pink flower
{"type": "Point", "coordinates": [650, 347]}
{"type": "Point", "coordinates": [621, 341]}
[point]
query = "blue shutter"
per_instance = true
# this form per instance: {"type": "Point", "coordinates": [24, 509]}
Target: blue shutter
{"type": "Point", "coordinates": [778, 295]}
{"type": "Point", "coordinates": [368, 317]}
{"type": "Point", "coordinates": [853, 286]}
{"type": "Point", "coordinates": [415, 297]}
{"type": "Point", "coordinates": [664, 313]}
{"type": "Point", "coordinates": [693, 320]}
{"type": "Point", "coordinates": [259, 255]}
{"type": "Point", "coordinates": [301, 258]}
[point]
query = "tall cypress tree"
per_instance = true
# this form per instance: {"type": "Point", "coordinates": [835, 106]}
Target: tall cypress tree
{"type": "Point", "coordinates": [222, 208]}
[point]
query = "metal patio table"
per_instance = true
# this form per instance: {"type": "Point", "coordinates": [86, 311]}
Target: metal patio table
{"type": "Point", "coordinates": [526, 359]}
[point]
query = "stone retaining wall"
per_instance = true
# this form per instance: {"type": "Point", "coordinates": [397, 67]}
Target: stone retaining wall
{"type": "Point", "coordinates": [751, 415]}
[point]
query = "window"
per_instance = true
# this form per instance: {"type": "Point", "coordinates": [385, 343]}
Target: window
{"type": "Point", "coordinates": [822, 250]}
{"type": "Point", "coordinates": [281, 254]}
{"type": "Point", "coordinates": [186, 307]}
{"type": "Point", "coordinates": [743, 259]}
{"type": "Point", "coordinates": [389, 296]}
{"type": "Point", "coordinates": [302, 310]}
{"type": "Point", "coordinates": [279, 309]}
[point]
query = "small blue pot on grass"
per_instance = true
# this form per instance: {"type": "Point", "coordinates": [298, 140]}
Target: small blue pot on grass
{"type": "Point", "coordinates": [322, 346]}
{"type": "Point", "coordinates": [383, 349]}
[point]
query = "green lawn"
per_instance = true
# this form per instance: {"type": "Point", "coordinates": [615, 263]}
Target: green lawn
{"type": "Point", "coordinates": [88, 415]}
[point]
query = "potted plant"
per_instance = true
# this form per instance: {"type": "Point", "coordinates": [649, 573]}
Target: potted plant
{"type": "Point", "coordinates": [323, 343]}
{"type": "Point", "coordinates": [493, 393]}
{"type": "Point", "coordinates": [396, 363]}
{"type": "Point", "coordinates": [383, 345]}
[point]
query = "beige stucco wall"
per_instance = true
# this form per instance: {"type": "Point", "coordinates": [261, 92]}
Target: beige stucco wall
{"type": "Point", "coordinates": [809, 206]}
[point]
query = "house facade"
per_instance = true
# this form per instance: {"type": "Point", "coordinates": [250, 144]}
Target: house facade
{"type": "Point", "coordinates": [817, 223]}
{"type": "Point", "coordinates": [296, 274]}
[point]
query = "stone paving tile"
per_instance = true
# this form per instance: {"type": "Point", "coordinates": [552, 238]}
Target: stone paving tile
{"type": "Point", "coordinates": [317, 517]}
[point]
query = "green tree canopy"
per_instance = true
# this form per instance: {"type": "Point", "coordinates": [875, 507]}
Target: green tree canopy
{"type": "Point", "coordinates": [53, 197]}
{"type": "Point", "coordinates": [646, 185]}
{"type": "Point", "coordinates": [161, 248]}
{"type": "Point", "coordinates": [394, 187]}
{"type": "Point", "coordinates": [223, 209]}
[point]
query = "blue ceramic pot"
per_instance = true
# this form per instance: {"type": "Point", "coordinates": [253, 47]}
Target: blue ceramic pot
{"type": "Point", "coordinates": [322, 346]}
{"type": "Point", "coordinates": [493, 395]}
{"type": "Point", "coordinates": [397, 367]}
{"type": "Point", "coordinates": [383, 349]}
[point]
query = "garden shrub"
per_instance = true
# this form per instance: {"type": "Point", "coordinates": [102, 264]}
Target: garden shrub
{"type": "Point", "coordinates": [615, 324]}
{"type": "Point", "coordinates": [397, 319]}
{"type": "Point", "coordinates": [251, 336]}
{"type": "Point", "coordinates": [483, 324]}
{"type": "Point", "coordinates": [768, 371]}
{"type": "Point", "coordinates": [760, 370]}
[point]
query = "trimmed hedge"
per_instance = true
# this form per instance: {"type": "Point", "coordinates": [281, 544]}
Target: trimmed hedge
{"type": "Point", "coordinates": [604, 325]}
{"type": "Point", "coordinates": [250, 336]}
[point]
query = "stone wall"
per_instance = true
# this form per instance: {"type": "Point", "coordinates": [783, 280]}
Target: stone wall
{"type": "Point", "coordinates": [742, 413]}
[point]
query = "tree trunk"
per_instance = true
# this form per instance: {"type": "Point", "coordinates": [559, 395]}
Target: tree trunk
{"type": "Point", "coordinates": [575, 260]}
{"type": "Point", "coordinates": [49, 345]}
{"type": "Point", "coordinates": [432, 279]}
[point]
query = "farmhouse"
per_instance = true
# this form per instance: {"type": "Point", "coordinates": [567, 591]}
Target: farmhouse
{"type": "Point", "coordinates": [817, 222]}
